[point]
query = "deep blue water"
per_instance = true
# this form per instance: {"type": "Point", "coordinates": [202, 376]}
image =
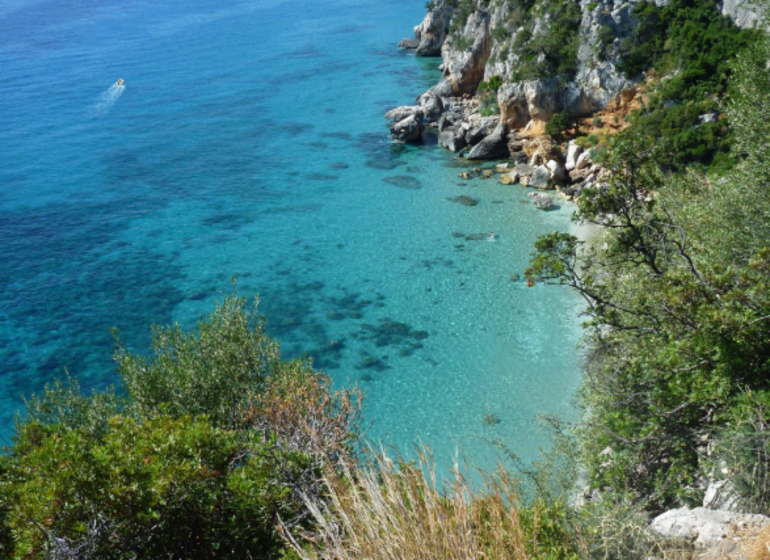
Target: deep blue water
{"type": "Point", "coordinates": [249, 139]}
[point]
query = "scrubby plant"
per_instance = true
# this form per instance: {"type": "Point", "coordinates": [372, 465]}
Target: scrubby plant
{"type": "Point", "coordinates": [558, 124]}
{"type": "Point", "coordinates": [214, 440]}
{"type": "Point", "coordinates": [678, 328]}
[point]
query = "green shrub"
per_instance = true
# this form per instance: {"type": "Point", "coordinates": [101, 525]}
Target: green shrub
{"type": "Point", "coordinates": [558, 124]}
{"type": "Point", "coordinates": [148, 488]}
{"type": "Point", "coordinates": [210, 371]}
{"type": "Point", "coordinates": [215, 440]}
{"type": "Point", "coordinates": [500, 34]}
{"type": "Point", "coordinates": [461, 43]}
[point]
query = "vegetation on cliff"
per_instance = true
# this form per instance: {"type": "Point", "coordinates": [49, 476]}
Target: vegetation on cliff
{"type": "Point", "coordinates": [678, 367]}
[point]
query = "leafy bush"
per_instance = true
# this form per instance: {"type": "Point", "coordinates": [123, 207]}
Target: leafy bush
{"type": "Point", "coordinates": [216, 443]}
{"type": "Point", "coordinates": [147, 488]}
{"type": "Point", "coordinates": [558, 124]}
{"type": "Point", "coordinates": [678, 329]}
{"type": "Point", "coordinates": [741, 452]}
{"type": "Point", "coordinates": [210, 371]}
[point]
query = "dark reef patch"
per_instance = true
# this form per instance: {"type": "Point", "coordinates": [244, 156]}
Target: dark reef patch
{"type": "Point", "coordinates": [403, 182]}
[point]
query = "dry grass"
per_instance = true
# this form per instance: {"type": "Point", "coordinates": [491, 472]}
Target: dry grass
{"type": "Point", "coordinates": [394, 511]}
{"type": "Point", "coordinates": [759, 549]}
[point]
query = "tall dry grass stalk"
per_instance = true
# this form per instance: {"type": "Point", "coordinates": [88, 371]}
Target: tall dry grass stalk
{"type": "Point", "coordinates": [395, 511]}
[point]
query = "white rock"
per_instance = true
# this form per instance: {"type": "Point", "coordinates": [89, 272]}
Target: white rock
{"type": "Point", "coordinates": [573, 152]}
{"type": "Point", "coordinates": [556, 171]}
{"type": "Point", "coordinates": [583, 160]}
{"type": "Point", "coordinates": [705, 527]}
{"type": "Point", "coordinates": [720, 494]}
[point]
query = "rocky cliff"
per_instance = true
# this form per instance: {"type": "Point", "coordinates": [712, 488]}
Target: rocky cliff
{"type": "Point", "coordinates": [552, 55]}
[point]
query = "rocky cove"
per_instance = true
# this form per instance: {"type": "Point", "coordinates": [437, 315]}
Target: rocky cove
{"type": "Point", "coordinates": [498, 93]}
{"type": "Point", "coordinates": [494, 103]}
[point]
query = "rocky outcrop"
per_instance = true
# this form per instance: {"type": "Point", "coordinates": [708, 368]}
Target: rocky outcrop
{"type": "Point", "coordinates": [540, 178]}
{"type": "Point", "coordinates": [540, 200]}
{"type": "Point", "coordinates": [706, 527]}
{"type": "Point", "coordinates": [452, 139]}
{"type": "Point", "coordinates": [494, 146]}
{"type": "Point", "coordinates": [479, 40]}
{"type": "Point", "coordinates": [408, 130]}
{"type": "Point", "coordinates": [573, 152]}
{"type": "Point", "coordinates": [429, 36]}
{"type": "Point", "coordinates": [746, 15]}
{"type": "Point", "coordinates": [431, 105]}
{"type": "Point", "coordinates": [465, 57]}
{"type": "Point", "coordinates": [401, 113]}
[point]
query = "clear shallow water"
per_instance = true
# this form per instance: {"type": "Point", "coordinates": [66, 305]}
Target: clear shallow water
{"type": "Point", "coordinates": [249, 140]}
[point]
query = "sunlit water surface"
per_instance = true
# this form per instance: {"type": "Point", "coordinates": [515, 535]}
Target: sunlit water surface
{"type": "Point", "coordinates": [250, 140]}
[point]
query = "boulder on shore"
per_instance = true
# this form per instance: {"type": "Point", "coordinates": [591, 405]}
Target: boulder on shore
{"type": "Point", "coordinates": [573, 152]}
{"type": "Point", "coordinates": [408, 130]}
{"type": "Point", "coordinates": [583, 160]}
{"type": "Point", "coordinates": [556, 172]}
{"type": "Point", "coordinates": [509, 178]}
{"type": "Point", "coordinates": [432, 106]}
{"type": "Point", "coordinates": [494, 146]}
{"type": "Point", "coordinates": [451, 139]}
{"type": "Point", "coordinates": [540, 179]}
{"type": "Point", "coordinates": [705, 527]}
{"type": "Point", "coordinates": [410, 44]}
{"type": "Point", "coordinates": [400, 113]}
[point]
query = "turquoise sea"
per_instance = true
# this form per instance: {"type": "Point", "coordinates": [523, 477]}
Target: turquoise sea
{"type": "Point", "coordinates": [249, 140]}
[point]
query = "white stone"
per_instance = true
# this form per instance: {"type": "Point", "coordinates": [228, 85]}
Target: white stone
{"type": "Point", "coordinates": [705, 527]}
{"type": "Point", "coordinates": [573, 152]}
{"type": "Point", "coordinates": [583, 160]}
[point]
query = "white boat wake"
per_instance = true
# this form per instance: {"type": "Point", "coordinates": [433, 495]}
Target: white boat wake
{"type": "Point", "coordinates": [108, 98]}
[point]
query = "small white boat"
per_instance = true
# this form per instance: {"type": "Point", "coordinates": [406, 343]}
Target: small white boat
{"type": "Point", "coordinates": [120, 82]}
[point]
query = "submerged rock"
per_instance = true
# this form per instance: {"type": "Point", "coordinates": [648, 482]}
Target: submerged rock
{"type": "Point", "coordinates": [404, 182]}
{"type": "Point", "coordinates": [464, 200]}
{"type": "Point", "coordinates": [540, 200]}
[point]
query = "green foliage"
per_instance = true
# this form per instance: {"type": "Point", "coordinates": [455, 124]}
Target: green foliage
{"type": "Point", "coordinates": [677, 328]}
{"type": "Point", "coordinates": [215, 441]}
{"type": "Point", "coordinates": [500, 34]}
{"type": "Point", "coordinates": [558, 124]}
{"type": "Point", "coordinates": [210, 371]}
{"type": "Point", "coordinates": [461, 43]}
{"type": "Point", "coordinates": [145, 489]}
{"type": "Point", "coordinates": [692, 45]}
{"type": "Point", "coordinates": [487, 93]}
{"type": "Point", "coordinates": [462, 11]}
{"type": "Point", "coordinates": [63, 403]}
{"type": "Point", "coordinates": [553, 51]}
{"type": "Point", "coordinates": [741, 452]}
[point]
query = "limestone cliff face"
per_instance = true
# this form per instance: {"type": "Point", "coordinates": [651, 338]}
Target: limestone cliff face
{"type": "Point", "coordinates": [465, 56]}
{"type": "Point", "coordinates": [746, 15]}
{"type": "Point", "coordinates": [479, 39]}
{"type": "Point", "coordinates": [433, 30]}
